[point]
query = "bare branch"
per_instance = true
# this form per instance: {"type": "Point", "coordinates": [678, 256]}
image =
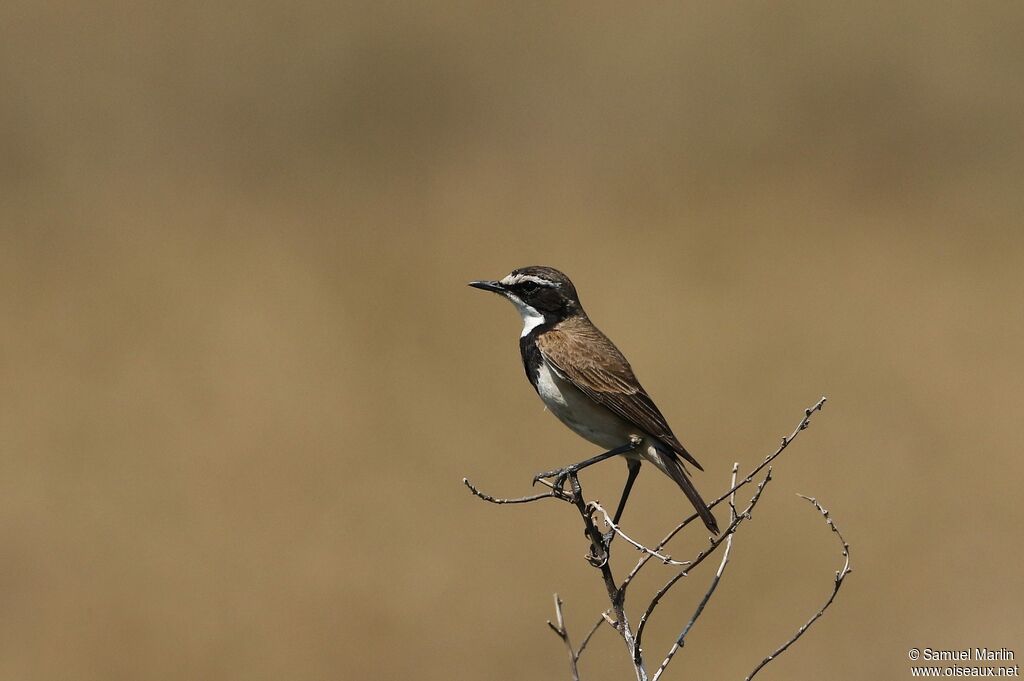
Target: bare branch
{"type": "Point", "coordinates": [586, 639]}
{"type": "Point", "coordinates": [681, 640]}
{"type": "Point", "coordinates": [667, 560]}
{"type": "Point", "coordinates": [554, 494]}
{"type": "Point", "coordinates": [600, 547]}
{"type": "Point", "coordinates": [563, 634]}
{"type": "Point", "coordinates": [699, 558]}
{"type": "Point", "coordinates": [599, 558]}
{"type": "Point", "coordinates": [836, 585]}
{"type": "Point", "coordinates": [786, 441]}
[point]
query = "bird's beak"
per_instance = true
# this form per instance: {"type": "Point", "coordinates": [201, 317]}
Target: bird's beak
{"type": "Point", "coordinates": [493, 286]}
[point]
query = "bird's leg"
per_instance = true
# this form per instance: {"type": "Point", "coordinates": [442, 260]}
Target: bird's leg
{"type": "Point", "coordinates": [560, 474]}
{"type": "Point", "coordinates": [634, 470]}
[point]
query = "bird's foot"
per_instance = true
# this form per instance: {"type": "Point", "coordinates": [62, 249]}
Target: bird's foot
{"type": "Point", "coordinates": [558, 478]}
{"type": "Point", "coordinates": [560, 475]}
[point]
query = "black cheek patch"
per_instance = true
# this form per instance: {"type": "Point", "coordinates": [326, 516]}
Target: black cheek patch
{"type": "Point", "coordinates": [548, 300]}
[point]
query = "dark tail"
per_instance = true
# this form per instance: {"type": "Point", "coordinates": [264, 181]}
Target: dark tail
{"type": "Point", "coordinates": [675, 470]}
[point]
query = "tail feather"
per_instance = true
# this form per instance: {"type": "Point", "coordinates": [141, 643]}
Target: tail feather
{"type": "Point", "coordinates": [674, 468]}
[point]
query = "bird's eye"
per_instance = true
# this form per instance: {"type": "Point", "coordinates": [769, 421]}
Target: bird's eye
{"type": "Point", "coordinates": [530, 287]}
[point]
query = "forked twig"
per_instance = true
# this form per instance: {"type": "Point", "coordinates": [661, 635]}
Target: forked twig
{"type": "Point", "coordinates": [699, 558]}
{"type": "Point", "coordinates": [667, 560]}
{"type": "Point", "coordinates": [786, 441]}
{"type": "Point", "coordinates": [563, 634]}
{"type": "Point", "coordinates": [836, 585]}
{"type": "Point", "coordinates": [600, 548]}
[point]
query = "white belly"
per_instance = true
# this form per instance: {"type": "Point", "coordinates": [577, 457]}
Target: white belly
{"type": "Point", "coordinates": [580, 413]}
{"type": "Point", "coordinates": [589, 419]}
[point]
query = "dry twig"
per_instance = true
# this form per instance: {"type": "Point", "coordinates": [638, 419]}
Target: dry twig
{"type": "Point", "coordinates": [553, 494]}
{"type": "Point", "coordinates": [699, 558]}
{"type": "Point", "coordinates": [786, 441]}
{"type": "Point", "coordinates": [836, 585]}
{"type": "Point", "coordinates": [599, 557]}
{"type": "Point", "coordinates": [681, 639]}
{"type": "Point", "coordinates": [563, 634]}
{"type": "Point", "coordinates": [667, 560]}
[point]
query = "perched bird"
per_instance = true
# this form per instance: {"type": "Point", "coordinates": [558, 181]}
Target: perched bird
{"type": "Point", "coordinates": [586, 382]}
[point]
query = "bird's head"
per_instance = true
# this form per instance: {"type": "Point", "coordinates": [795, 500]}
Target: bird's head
{"type": "Point", "coordinates": [542, 295]}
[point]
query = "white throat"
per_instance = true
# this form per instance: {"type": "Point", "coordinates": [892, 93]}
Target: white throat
{"type": "Point", "coordinates": [531, 317]}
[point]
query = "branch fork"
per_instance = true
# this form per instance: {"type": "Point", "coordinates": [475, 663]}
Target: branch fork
{"type": "Point", "coordinates": [599, 555]}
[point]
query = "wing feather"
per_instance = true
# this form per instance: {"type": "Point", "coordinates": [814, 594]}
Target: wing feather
{"type": "Point", "coordinates": [585, 357]}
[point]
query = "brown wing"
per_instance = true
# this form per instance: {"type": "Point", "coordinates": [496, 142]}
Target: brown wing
{"type": "Point", "coordinates": [600, 371]}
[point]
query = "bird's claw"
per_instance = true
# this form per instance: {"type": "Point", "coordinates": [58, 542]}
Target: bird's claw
{"type": "Point", "coordinates": [560, 475]}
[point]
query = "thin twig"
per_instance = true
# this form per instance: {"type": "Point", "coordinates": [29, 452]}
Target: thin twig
{"type": "Point", "coordinates": [837, 583]}
{"type": "Point", "coordinates": [667, 560]}
{"type": "Point", "coordinates": [586, 639]}
{"type": "Point", "coordinates": [786, 441]}
{"type": "Point", "coordinates": [563, 634]}
{"type": "Point", "coordinates": [599, 559]}
{"type": "Point", "coordinates": [699, 558]}
{"type": "Point", "coordinates": [518, 500]}
{"type": "Point", "coordinates": [681, 640]}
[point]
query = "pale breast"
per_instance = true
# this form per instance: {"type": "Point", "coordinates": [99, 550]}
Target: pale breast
{"type": "Point", "coordinates": [585, 417]}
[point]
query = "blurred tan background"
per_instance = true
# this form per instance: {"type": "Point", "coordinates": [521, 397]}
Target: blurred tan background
{"type": "Point", "coordinates": [243, 376]}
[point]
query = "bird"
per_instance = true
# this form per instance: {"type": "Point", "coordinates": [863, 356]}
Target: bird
{"type": "Point", "coordinates": [587, 383]}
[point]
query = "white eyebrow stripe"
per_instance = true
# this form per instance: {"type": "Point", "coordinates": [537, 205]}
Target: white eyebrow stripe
{"type": "Point", "coordinates": [512, 280]}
